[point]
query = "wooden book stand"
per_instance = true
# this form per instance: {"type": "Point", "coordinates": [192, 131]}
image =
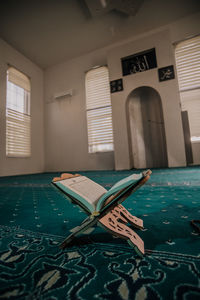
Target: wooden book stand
{"type": "Point", "coordinates": [107, 211]}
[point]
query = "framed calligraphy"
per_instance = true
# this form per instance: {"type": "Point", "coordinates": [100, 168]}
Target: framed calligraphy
{"type": "Point", "coordinates": [139, 62]}
{"type": "Point", "coordinates": [116, 85]}
{"type": "Point", "coordinates": [166, 73]}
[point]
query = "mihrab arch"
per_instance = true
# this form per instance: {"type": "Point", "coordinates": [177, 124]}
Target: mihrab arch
{"type": "Point", "coordinates": [146, 129]}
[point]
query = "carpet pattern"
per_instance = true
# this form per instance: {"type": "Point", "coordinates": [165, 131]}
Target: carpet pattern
{"type": "Point", "coordinates": [35, 217]}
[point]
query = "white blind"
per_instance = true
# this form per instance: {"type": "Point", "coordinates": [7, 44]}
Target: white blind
{"type": "Point", "coordinates": [187, 54]}
{"type": "Point", "coordinates": [188, 63]}
{"type": "Point", "coordinates": [18, 79]}
{"type": "Point", "coordinates": [97, 88]}
{"type": "Point", "coordinates": [18, 119]}
{"type": "Point", "coordinates": [99, 111]}
{"type": "Point", "coordinates": [17, 134]}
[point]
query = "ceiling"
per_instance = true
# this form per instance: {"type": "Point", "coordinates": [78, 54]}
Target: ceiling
{"type": "Point", "coordinates": [49, 32]}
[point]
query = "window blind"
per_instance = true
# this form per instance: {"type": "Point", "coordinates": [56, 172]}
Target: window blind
{"type": "Point", "coordinates": [99, 111]}
{"type": "Point", "coordinates": [17, 133]}
{"type": "Point", "coordinates": [18, 119]}
{"type": "Point", "coordinates": [187, 54]}
{"type": "Point", "coordinates": [18, 78]}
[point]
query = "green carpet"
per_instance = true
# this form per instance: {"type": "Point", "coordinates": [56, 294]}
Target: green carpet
{"type": "Point", "coordinates": [35, 217]}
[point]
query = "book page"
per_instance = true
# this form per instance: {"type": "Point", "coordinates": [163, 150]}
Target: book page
{"type": "Point", "coordinates": [124, 183]}
{"type": "Point", "coordinates": [85, 187]}
{"type": "Point", "coordinates": [133, 177]}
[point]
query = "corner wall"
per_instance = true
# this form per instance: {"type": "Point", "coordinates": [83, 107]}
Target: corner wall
{"type": "Point", "coordinates": [34, 164]}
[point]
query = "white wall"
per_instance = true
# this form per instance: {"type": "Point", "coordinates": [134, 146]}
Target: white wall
{"type": "Point", "coordinates": [34, 164]}
{"type": "Point", "coordinates": [65, 120]}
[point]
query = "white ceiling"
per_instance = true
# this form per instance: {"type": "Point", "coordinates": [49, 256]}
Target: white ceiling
{"type": "Point", "coordinates": [51, 31]}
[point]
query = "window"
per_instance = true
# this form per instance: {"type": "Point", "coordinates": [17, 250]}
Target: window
{"type": "Point", "coordinates": [18, 119]}
{"type": "Point", "coordinates": [187, 55]}
{"type": "Point", "coordinates": [99, 111]}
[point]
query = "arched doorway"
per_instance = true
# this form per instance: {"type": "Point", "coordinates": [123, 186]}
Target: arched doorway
{"type": "Point", "coordinates": [146, 129]}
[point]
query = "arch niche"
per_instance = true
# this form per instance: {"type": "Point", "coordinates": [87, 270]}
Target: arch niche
{"type": "Point", "coordinates": [146, 129]}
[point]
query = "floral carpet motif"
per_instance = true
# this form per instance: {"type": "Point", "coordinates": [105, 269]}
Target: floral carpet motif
{"type": "Point", "coordinates": [35, 218]}
{"type": "Point", "coordinates": [33, 267]}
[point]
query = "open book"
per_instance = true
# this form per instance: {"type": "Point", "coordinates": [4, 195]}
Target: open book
{"type": "Point", "coordinates": [89, 194]}
{"type": "Point", "coordinates": [104, 207]}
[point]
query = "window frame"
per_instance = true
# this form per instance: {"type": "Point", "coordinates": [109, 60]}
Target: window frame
{"type": "Point", "coordinates": [187, 52]}
{"type": "Point", "coordinates": [18, 114]}
{"type": "Point", "coordinates": [99, 110]}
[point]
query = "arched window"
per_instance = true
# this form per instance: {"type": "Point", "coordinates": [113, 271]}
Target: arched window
{"type": "Point", "coordinates": [187, 54]}
{"type": "Point", "coordinates": [18, 119]}
{"type": "Point", "coordinates": [99, 111]}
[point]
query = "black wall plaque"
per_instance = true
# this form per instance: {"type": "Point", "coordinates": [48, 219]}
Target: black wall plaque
{"type": "Point", "coordinates": [166, 73]}
{"type": "Point", "coordinates": [139, 62]}
{"type": "Point", "coordinates": [116, 85]}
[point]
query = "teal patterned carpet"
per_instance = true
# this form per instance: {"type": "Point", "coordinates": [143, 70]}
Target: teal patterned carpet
{"type": "Point", "coordinates": [35, 217]}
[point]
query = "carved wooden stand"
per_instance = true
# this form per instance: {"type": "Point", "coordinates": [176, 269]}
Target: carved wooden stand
{"type": "Point", "coordinates": [115, 222]}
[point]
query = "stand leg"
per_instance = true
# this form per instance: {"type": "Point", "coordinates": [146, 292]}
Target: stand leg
{"type": "Point", "coordinates": [136, 222]}
{"type": "Point", "coordinates": [115, 224]}
{"type": "Point", "coordinates": [80, 229]}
